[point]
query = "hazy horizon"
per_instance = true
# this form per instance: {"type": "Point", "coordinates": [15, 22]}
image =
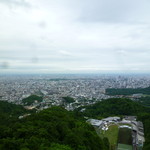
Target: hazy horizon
{"type": "Point", "coordinates": [74, 37]}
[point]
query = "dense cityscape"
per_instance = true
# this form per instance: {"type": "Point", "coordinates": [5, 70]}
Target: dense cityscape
{"type": "Point", "coordinates": [74, 75]}
{"type": "Point", "coordinates": [85, 89]}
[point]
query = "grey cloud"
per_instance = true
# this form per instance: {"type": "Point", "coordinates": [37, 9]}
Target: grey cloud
{"type": "Point", "coordinates": [103, 12]}
{"type": "Point", "coordinates": [4, 65]}
{"type": "Point", "coordinates": [42, 24]}
{"type": "Point", "coordinates": [10, 3]}
{"type": "Point", "coordinates": [78, 35]}
{"type": "Point", "coordinates": [113, 11]}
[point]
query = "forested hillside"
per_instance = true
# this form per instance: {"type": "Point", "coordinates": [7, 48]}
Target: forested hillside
{"type": "Point", "coordinates": [58, 129]}
{"type": "Point", "coordinates": [145, 101]}
{"type": "Point", "coordinates": [120, 107]}
{"type": "Point", "coordinates": [9, 112]}
{"type": "Point", "coordinates": [11, 109]}
{"type": "Point", "coordinates": [51, 129]}
{"type": "Point", "coordinates": [31, 99]}
{"type": "Point", "coordinates": [127, 91]}
{"type": "Point", "coordinates": [114, 106]}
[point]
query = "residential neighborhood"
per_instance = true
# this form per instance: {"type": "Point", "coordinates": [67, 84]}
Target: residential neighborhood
{"type": "Point", "coordinates": [85, 89]}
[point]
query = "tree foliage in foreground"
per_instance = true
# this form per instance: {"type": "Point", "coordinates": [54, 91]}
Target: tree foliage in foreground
{"type": "Point", "coordinates": [11, 109]}
{"type": "Point", "coordinates": [145, 101]}
{"type": "Point", "coordinates": [120, 106]}
{"type": "Point", "coordinates": [9, 112]}
{"type": "Point", "coordinates": [114, 106]}
{"type": "Point", "coordinates": [51, 129]}
{"type": "Point", "coordinates": [145, 118]}
{"type": "Point", "coordinates": [58, 129]}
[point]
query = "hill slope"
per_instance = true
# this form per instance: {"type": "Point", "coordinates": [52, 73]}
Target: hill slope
{"type": "Point", "coordinates": [51, 129]}
{"type": "Point", "coordinates": [119, 106]}
{"type": "Point", "coordinates": [114, 106]}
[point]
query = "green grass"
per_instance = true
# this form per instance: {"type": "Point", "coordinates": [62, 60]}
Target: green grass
{"type": "Point", "coordinates": [124, 147]}
{"type": "Point", "coordinates": [112, 135]}
{"type": "Point", "coordinates": [125, 136]}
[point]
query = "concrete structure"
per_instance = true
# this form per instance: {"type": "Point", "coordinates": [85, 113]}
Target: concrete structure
{"type": "Point", "coordinates": [127, 122]}
{"type": "Point", "coordinates": [112, 119]}
{"type": "Point", "coordinates": [94, 122]}
{"type": "Point", "coordinates": [137, 132]}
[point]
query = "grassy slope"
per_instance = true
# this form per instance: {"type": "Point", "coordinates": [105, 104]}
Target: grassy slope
{"type": "Point", "coordinates": [111, 134]}
{"type": "Point", "coordinates": [125, 136]}
{"type": "Point", "coordinates": [124, 147]}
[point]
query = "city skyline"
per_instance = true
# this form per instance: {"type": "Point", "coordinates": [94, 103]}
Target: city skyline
{"type": "Point", "coordinates": [65, 36]}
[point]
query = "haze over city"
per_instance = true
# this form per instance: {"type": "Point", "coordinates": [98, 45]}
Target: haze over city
{"type": "Point", "coordinates": [74, 75]}
{"type": "Point", "coordinates": [64, 36]}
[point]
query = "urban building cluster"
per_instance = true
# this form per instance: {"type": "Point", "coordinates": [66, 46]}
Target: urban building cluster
{"type": "Point", "coordinates": [85, 89]}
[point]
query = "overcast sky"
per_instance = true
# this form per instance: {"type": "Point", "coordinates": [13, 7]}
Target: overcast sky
{"type": "Point", "coordinates": [73, 36]}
